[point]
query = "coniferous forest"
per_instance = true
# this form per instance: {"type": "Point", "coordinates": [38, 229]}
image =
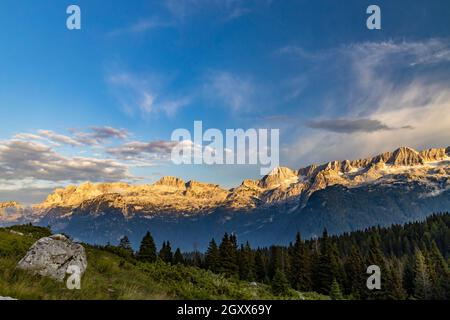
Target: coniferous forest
{"type": "Point", "coordinates": [413, 259]}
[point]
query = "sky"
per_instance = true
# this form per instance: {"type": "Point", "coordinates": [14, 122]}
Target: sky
{"type": "Point", "coordinates": [100, 103]}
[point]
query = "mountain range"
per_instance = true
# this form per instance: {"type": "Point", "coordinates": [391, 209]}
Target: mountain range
{"type": "Point", "coordinates": [342, 196]}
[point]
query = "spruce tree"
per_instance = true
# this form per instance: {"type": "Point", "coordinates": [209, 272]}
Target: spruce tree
{"type": "Point", "coordinates": [422, 285]}
{"type": "Point", "coordinates": [395, 290]}
{"type": "Point", "coordinates": [441, 285]}
{"type": "Point", "coordinates": [147, 249]}
{"type": "Point", "coordinates": [125, 245]}
{"type": "Point", "coordinates": [335, 291]}
{"type": "Point", "coordinates": [324, 268]}
{"type": "Point", "coordinates": [165, 254]}
{"type": "Point", "coordinates": [280, 284]}
{"type": "Point", "coordinates": [212, 257]}
{"type": "Point", "coordinates": [356, 274]}
{"type": "Point", "coordinates": [228, 256]}
{"type": "Point", "coordinates": [376, 257]}
{"type": "Point", "coordinates": [261, 267]}
{"type": "Point", "coordinates": [178, 257]}
{"type": "Point", "coordinates": [301, 265]}
{"type": "Point", "coordinates": [246, 263]}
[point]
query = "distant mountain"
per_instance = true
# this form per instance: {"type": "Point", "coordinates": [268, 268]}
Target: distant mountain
{"type": "Point", "coordinates": [393, 187]}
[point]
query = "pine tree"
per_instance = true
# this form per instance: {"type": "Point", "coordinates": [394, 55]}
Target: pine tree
{"type": "Point", "coordinates": [324, 268]}
{"type": "Point", "coordinates": [280, 284]}
{"type": "Point", "coordinates": [165, 254]}
{"type": "Point", "coordinates": [228, 256]}
{"type": "Point", "coordinates": [441, 283]}
{"type": "Point", "coordinates": [178, 257]}
{"type": "Point", "coordinates": [408, 276]}
{"type": "Point", "coordinates": [356, 278]}
{"type": "Point", "coordinates": [261, 267]}
{"type": "Point", "coordinates": [147, 249]}
{"type": "Point", "coordinates": [422, 285]}
{"type": "Point", "coordinates": [125, 245]}
{"type": "Point", "coordinates": [376, 257]}
{"type": "Point", "coordinates": [212, 257]}
{"type": "Point", "coordinates": [395, 288]}
{"type": "Point", "coordinates": [246, 263]}
{"type": "Point", "coordinates": [335, 292]}
{"type": "Point", "coordinates": [301, 265]}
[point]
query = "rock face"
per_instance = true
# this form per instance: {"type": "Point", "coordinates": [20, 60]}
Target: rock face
{"type": "Point", "coordinates": [171, 195]}
{"type": "Point", "coordinates": [51, 256]}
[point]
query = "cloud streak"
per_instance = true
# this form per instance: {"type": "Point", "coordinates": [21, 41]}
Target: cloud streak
{"type": "Point", "coordinates": [351, 125]}
{"type": "Point", "coordinates": [99, 135]}
{"type": "Point", "coordinates": [138, 150]}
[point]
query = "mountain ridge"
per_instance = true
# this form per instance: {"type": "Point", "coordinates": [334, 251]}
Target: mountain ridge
{"type": "Point", "coordinates": [281, 178]}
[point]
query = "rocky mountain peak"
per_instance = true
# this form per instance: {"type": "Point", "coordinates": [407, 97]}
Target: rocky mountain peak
{"type": "Point", "coordinates": [405, 156]}
{"type": "Point", "coordinates": [9, 204]}
{"type": "Point", "coordinates": [308, 171]}
{"type": "Point", "coordinates": [171, 182]}
{"type": "Point", "coordinates": [279, 176]}
{"type": "Point", "coordinates": [433, 154]}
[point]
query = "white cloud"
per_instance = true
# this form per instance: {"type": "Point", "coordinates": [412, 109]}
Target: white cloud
{"type": "Point", "coordinates": [99, 135]}
{"type": "Point", "coordinates": [95, 136]}
{"type": "Point", "coordinates": [146, 94]}
{"type": "Point", "coordinates": [233, 91]}
{"type": "Point", "coordinates": [142, 26]}
{"type": "Point", "coordinates": [139, 150]}
{"type": "Point", "coordinates": [58, 138]}
{"type": "Point", "coordinates": [33, 160]}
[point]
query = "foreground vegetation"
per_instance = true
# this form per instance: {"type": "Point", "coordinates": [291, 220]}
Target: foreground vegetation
{"type": "Point", "coordinates": [413, 258]}
{"type": "Point", "coordinates": [113, 275]}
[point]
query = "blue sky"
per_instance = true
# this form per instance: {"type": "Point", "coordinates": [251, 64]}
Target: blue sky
{"type": "Point", "coordinates": [100, 103]}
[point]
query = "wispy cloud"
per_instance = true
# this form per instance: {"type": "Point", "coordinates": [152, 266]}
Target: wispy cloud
{"type": "Point", "coordinates": [351, 125]}
{"type": "Point", "coordinates": [231, 90]}
{"type": "Point", "coordinates": [139, 150]}
{"type": "Point", "coordinates": [226, 10]}
{"type": "Point", "coordinates": [58, 138]}
{"type": "Point", "coordinates": [95, 136]}
{"type": "Point", "coordinates": [142, 26]}
{"type": "Point", "coordinates": [146, 94]}
{"type": "Point", "coordinates": [99, 135]}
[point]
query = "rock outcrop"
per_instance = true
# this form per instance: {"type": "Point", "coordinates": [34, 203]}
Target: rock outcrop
{"type": "Point", "coordinates": [51, 256]}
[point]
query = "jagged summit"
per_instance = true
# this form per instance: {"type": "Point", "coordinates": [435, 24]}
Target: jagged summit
{"type": "Point", "coordinates": [405, 156]}
{"type": "Point", "coordinates": [279, 176]}
{"type": "Point", "coordinates": [9, 204]}
{"type": "Point", "coordinates": [171, 182]}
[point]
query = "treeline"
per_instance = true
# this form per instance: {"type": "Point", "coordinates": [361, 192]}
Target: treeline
{"type": "Point", "coordinates": [413, 258]}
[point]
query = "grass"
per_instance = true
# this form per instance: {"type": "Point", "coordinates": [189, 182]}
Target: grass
{"type": "Point", "coordinates": [112, 277]}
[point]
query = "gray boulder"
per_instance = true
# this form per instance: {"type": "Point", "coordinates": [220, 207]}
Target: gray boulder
{"type": "Point", "coordinates": [7, 298]}
{"type": "Point", "coordinates": [51, 256]}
